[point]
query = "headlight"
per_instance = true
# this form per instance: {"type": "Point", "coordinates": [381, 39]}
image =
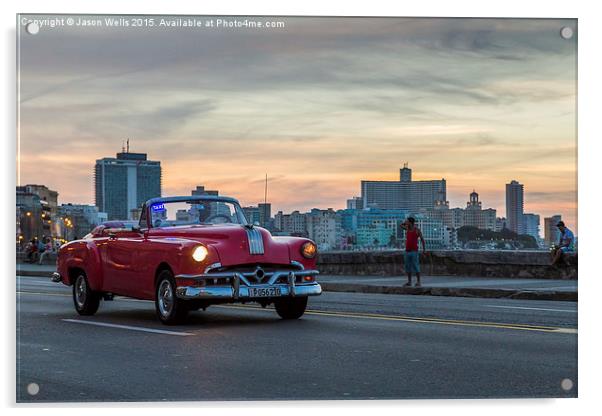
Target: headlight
{"type": "Point", "coordinates": [200, 253]}
{"type": "Point", "coordinates": [309, 250]}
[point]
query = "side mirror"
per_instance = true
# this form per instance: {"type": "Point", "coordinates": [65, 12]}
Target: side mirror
{"type": "Point", "coordinates": [112, 236]}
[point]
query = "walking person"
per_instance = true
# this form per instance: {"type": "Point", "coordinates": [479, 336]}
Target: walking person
{"type": "Point", "coordinates": [566, 245]}
{"type": "Point", "coordinates": [411, 257]}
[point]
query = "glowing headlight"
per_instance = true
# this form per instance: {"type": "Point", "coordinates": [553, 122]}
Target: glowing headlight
{"type": "Point", "coordinates": [200, 253]}
{"type": "Point", "coordinates": [309, 250]}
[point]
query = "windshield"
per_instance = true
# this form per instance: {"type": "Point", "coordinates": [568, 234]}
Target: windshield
{"type": "Point", "coordinates": [197, 212]}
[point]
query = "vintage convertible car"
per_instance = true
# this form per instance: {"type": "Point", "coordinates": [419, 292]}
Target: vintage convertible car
{"type": "Point", "coordinates": [187, 253]}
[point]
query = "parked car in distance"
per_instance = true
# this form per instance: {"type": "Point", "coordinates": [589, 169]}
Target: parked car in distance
{"type": "Point", "coordinates": [187, 253]}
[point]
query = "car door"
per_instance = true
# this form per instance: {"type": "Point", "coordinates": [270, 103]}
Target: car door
{"type": "Point", "coordinates": [120, 271]}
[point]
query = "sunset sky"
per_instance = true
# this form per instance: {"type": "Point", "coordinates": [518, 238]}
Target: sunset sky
{"type": "Point", "coordinates": [317, 105]}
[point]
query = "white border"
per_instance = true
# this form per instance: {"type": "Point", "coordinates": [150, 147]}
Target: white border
{"type": "Point", "coordinates": [589, 202]}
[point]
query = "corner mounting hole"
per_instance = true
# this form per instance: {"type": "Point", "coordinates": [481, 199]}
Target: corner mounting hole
{"type": "Point", "coordinates": [566, 32]}
{"type": "Point", "coordinates": [32, 28]}
{"type": "Point", "coordinates": [566, 384]}
{"type": "Point", "coordinates": [33, 389]}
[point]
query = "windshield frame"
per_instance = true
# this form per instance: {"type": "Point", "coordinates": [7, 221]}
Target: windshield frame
{"type": "Point", "coordinates": [146, 217]}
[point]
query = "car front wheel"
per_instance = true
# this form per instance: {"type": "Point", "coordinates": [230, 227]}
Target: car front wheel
{"type": "Point", "coordinates": [170, 309]}
{"type": "Point", "coordinates": [86, 300]}
{"type": "Point", "coordinates": [291, 308]}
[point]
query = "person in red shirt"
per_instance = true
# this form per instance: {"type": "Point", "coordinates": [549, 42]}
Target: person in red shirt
{"type": "Point", "coordinates": [411, 259]}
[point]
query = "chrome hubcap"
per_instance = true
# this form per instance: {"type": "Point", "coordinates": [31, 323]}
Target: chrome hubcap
{"type": "Point", "coordinates": [80, 291]}
{"type": "Point", "coordinates": [165, 298]}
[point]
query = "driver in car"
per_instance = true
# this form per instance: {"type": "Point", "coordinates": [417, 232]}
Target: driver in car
{"type": "Point", "coordinates": [204, 213]}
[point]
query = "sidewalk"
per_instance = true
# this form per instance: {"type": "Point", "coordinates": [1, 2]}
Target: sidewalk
{"type": "Point", "coordinates": [482, 287]}
{"type": "Point", "coordinates": [35, 269]}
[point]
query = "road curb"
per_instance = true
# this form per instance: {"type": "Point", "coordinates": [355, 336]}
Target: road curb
{"type": "Point", "coordinates": [466, 292]}
{"type": "Point", "coordinates": [31, 273]}
{"type": "Point", "coordinates": [453, 292]}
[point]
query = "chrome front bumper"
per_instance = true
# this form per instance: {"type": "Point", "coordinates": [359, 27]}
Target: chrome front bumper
{"type": "Point", "coordinates": [239, 286]}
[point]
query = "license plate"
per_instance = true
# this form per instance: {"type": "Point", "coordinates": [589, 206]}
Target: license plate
{"type": "Point", "coordinates": [264, 292]}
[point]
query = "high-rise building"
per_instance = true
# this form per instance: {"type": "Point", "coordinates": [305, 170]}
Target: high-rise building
{"type": "Point", "coordinates": [476, 216]}
{"type": "Point", "coordinates": [200, 190]}
{"type": "Point", "coordinates": [551, 232]}
{"type": "Point", "coordinates": [125, 182]}
{"type": "Point", "coordinates": [532, 226]}
{"type": "Point", "coordinates": [403, 194]}
{"type": "Point", "coordinates": [515, 207]}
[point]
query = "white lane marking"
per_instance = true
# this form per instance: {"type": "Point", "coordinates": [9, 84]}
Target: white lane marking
{"type": "Point", "coordinates": [544, 288]}
{"type": "Point", "coordinates": [327, 313]}
{"type": "Point", "coordinates": [131, 328]}
{"type": "Point", "coordinates": [566, 330]}
{"type": "Point", "coordinates": [532, 309]}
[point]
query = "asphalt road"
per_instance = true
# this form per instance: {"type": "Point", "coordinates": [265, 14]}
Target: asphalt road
{"type": "Point", "coordinates": [347, 346]}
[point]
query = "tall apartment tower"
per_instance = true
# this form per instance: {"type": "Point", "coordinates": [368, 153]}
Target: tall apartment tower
{"type": "Point", "coordinates": [515, 207]}
{"type": "Point", "coordinates": [404, 194]}
{"type": "Point", "coordinates": [123, 183]}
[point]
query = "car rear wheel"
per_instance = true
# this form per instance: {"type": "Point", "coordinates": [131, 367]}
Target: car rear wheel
{"type": "Point", "coordinates": [86, 300]}
{"type": "Point", "coordinates": [291, 308]}
{"type": "Point", "coordinates": [170, 309]}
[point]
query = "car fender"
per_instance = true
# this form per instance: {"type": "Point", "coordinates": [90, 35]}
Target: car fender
{"type": "Point", "coordinates": [84, 255]}
{"type": "Point", "coordinates": [294, 246]}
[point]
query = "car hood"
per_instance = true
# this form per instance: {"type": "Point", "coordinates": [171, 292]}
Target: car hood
{"type": "Point", "coordinates": [235, 244]}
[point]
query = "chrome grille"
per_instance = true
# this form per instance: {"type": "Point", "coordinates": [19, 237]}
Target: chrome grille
{"type": "Point", "coordinates": [256, 273]}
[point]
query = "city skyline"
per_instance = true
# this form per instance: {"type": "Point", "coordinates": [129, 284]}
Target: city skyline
{"type": "Point", "coordinates": [308, 106]}
{"type": "Point", "coordinates": [473, 201]}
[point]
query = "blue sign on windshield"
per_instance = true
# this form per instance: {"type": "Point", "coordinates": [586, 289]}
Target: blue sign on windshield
{"type": "Point", "coordinates": [158, 207]}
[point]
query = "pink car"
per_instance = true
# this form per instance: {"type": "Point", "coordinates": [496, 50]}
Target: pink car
{"type": "Point", "coordinates": [188, 253]}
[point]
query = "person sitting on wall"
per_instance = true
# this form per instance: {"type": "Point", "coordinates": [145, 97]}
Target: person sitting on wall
{"type": "Point", "coordinates": [31, 250]}
{"type": "Point", "coordinates": [47, 250]}
{"type": "Point", "coordinates": [566, 245]}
